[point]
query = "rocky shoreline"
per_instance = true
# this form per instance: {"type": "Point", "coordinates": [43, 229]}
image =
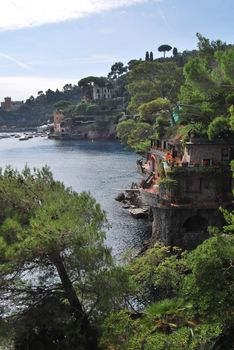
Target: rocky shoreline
{"type": "Point", "coordinates": [131, 201]}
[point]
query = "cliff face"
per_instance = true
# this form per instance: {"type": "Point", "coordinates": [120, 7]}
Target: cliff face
{"type": "Point", "coordinates": [183, 227]}
{"type": "Point", "coordinates": [93, 127]}
{"type": "Point", "coordinates": [104, 133]}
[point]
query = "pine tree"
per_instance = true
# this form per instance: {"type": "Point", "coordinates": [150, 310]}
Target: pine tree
{"type": "Point", "coordinates": [55, 234]}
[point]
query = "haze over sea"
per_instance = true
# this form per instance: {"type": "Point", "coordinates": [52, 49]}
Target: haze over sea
{"type": "Point", "coordinates": [98, 167]}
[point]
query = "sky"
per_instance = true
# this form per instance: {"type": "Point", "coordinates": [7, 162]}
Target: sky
{"type": "Point", "coordinates": [49, 43]}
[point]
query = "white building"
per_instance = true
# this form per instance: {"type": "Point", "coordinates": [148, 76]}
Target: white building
{"type": "Point", "coordinates": [102, 92]}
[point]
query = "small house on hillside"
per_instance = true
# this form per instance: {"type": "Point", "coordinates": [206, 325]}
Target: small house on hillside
{"type": "Point", "coordinates": [102, 92]}
{"type": "Point", "coordinates": [202, 151]}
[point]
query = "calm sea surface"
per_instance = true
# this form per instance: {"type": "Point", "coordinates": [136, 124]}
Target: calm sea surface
{"type": "Point", "coordinates": [98, 167]}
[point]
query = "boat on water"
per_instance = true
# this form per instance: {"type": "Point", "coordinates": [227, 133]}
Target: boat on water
{"type": "Point", "coordinates": [4, 136]}
{"type": "Point", "coordinates": [24, 138]}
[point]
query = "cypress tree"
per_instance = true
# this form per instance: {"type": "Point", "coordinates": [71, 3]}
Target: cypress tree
{"type": "Point", "coordinates": [147, 58]}
{"type": "Point", "coordinates": [151, 58]}
{"type": "Point", "coordinates": [175, 51]}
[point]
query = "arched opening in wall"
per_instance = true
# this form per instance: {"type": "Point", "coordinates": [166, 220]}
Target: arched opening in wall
{"type": "Point", "coordinates": [195, 224]}
{"type": "Point", "coordinates": [194, 231]}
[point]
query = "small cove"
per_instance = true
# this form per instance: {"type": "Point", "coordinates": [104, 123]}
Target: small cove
{"type": "Point", "coordinates": [100, 167]}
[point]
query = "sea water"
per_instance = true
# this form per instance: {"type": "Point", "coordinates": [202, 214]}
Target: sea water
{"type": "Point", "coordinates": [104, 168]}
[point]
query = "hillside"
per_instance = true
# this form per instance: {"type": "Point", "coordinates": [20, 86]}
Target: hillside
{"type": "Point", "coordinates": [38, 110]}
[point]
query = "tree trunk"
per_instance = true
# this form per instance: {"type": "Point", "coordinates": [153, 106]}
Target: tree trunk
{"type": "Point", "coordinates": [80, 315]}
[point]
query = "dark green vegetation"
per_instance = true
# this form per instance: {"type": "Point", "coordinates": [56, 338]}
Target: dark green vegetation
{"type": "Point", "coordinates": [38, 110]}
{"type": "Point", "coordinates": [199, 93]}
{"type": "Point", "coordinates": [207, 96]}
{"type": "Point", "coordinates": [76, 100]}
{"type": "Point", "coordinates": [184, 299]}
{"type": "Point", "coordinates": [164, 48]}
{"type": "Point", "coordinates": [57, 278]}
{"type": "Point", "coordinates": [59, 286]}
{"type": "Point", "coordinates": [60, 289]}
{"type": "Point", "coordinates": [187, 300]}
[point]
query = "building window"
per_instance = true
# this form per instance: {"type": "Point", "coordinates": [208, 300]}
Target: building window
{"type": "Point", "coordinates": [206, 162]}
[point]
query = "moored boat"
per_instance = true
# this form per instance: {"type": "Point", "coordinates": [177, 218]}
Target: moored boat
{"type": "Point", "coordinates": [24, 138]}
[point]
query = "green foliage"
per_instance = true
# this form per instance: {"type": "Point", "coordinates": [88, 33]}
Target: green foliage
{"type": "Point", "coordinates": [125, 331]}
{"type": "Point", "coordinates": [90, 80]}
{"type": "Point", "coordinates": [229, 218]}
{"type": "Point", "coordinates": [207, 94]}
{"type": "Point", "coordinates": [156, 275]}
{"type": "Point", "coordinates": [133, 63]}
{"type": "Point", "coordinates": [227, 65]}
{"type": "Point", "coordinates": [151, 57]}
{"type": "Point", "coordinates": [208, 171]}
{"type": "Point", "coordinates": [231, 120]}
{"type": "Point", "coordinates": [219, 127]}
{"type": "Point", "coordinates": [161, 125]}
{"type": "Point", "coordinates": [37, 110]}
{"type": "Point", "coordinates": [197, 74]}
{"type": "Point", "coordinates": [62, 104]}
{"type": "Point", "coordinates": [153, 88]}
{"type": "Point", "coordinates": [47, 325]}
{"type": "Point", "coordinates": [150, 110]}
{"type": "Point", "coordinates": [147, 56]}
{"type": "Point", "coordinates": [158, 113]}
{"type": "Point", "coordinates": [136, 135]}
{"type": "Point", "coordinates": [167, 184]}
{"type": "Point", "coordinates": [87, 107]}
{"type": "Point", "coordinates": [151, 80]}
{"type": "Point", "coordinates": [164, 48]}
{"type": "Point", "coordinates": [210, 285]}
{"type": "Point", "coordinates": [117, 69]}
{"type": "Point", "coordinates": [161, 170]}
{"type": "Point", "coordinates": [52, 243]}
{"type": "Point", "coordinates": [175, 51]}
{"type": "Point", "coordinates": [199, 313]}
{"type": "Point", "coordinates": [207, 48]}
{"type": "Point", "coordinates": [197, 129]}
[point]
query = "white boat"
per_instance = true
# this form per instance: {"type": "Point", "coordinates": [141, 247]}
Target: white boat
{"type": "Point", "coordinates": [24, 138]}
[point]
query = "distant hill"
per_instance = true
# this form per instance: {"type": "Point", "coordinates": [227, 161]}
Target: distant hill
{"type": "Point", "coordinates": [37, 111]}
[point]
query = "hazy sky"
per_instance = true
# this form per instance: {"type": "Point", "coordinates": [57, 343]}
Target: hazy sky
{"type": "Point", "coordinates": [47, 43]}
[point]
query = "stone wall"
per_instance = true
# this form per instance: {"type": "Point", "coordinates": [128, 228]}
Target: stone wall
{"type": "Point", "coordinates": [185, 228]}
{"type": "Point", "coordinates": [197, 152]}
